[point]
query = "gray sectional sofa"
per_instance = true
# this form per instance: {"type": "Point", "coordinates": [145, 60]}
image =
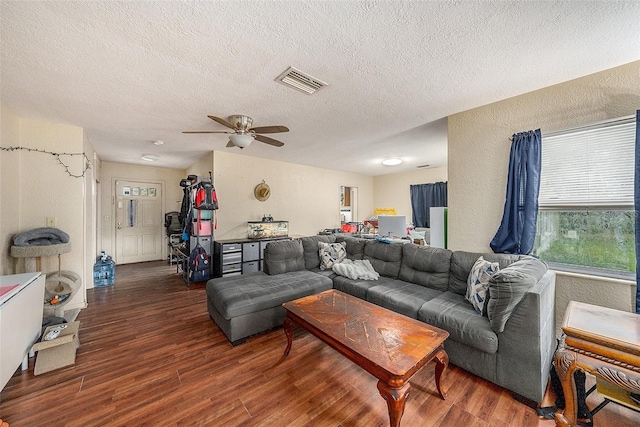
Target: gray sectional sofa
{"type": "Point", "coordinates": [511, 346]}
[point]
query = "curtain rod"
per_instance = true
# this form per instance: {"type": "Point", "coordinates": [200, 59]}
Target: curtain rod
{"type": "Point", "coordinates": [608, 122]}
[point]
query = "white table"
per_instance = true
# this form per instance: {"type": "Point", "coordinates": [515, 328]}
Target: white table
{"type": "Point", "coordinates": [20, 320]}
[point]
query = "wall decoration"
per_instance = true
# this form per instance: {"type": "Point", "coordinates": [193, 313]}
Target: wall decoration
{"type": "Point", "coordinates": [87, 163]}
{"type": "Point", "coordinates": [262, 191]}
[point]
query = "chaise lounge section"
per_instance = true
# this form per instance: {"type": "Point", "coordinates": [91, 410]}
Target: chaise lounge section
{"type": "Point", "coordinates": [511, 345]}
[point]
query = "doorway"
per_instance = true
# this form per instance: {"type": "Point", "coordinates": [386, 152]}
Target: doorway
{"type": "Point", "coordinates": [348, 204]}
{"type": "Point", "coordinates": [139, 221]}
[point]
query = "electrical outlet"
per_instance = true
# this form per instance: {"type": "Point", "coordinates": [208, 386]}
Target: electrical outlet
{"type": "Point", "coordinates": [51, 221]}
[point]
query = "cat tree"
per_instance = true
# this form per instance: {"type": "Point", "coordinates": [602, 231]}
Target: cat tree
{"type": "Point", "coordinates": [62, 283]}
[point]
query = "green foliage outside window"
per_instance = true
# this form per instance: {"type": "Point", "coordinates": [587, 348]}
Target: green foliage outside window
{"type": "Point", "coordinates": [597, 238]}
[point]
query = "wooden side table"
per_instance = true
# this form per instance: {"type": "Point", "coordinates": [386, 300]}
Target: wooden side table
{"type": "Point", "coordinates": [599, 341]}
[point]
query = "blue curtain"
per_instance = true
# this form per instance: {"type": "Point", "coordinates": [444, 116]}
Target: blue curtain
{"type": "Point", "coordinates": [517, 230]}
{"type": "Point", "coordinates": [424, 196]}
{"type": "Point", "coordinates": [637, 209]}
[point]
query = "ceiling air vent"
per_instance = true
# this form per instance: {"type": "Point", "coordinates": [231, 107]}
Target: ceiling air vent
{"type": "Point", "coordinates": [300, 81]}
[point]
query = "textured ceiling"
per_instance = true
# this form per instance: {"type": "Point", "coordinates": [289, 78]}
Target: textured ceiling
{"type": "Point", "coordinates": [133, 72]}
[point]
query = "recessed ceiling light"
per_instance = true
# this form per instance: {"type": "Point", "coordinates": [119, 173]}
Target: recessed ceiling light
{"type": "Point", "coordinates": [391, 162]}
{"type": "Point", "coordinates": [149, 158]}
{"type": "Point", "coordinates": [158, 142]}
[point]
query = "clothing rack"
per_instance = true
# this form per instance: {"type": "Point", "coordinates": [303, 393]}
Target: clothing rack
{"type": "Point", "coordinates": [196, 234]}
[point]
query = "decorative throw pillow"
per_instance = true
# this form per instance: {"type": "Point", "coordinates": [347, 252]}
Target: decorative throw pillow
{"type": "Point", "coordinates": [330, 254]}
{"type": "Point", "coordinates": [508, 286]}
{"type": "Point", "coordinates": [478, 283]}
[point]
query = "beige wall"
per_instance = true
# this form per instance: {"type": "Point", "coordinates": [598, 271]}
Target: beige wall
{"type": "Point", "coordinates": [479, 157]}
{"type": "Point", "coordinates": [9, 187]}
{"type": "Point", "coordinates": [392, 191]}
{"type": "Point", "coordinates": [110, 172]}
{"type": "Point", "coordinates": [305, 196]}
{"type": "Point", "coordinates": [202, 167]}
{"type": "Point", "coordinates": [35, 184]}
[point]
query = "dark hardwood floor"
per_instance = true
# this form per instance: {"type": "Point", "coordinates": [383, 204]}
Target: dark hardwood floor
{"type": "Point", "coordinates": [150, 355]}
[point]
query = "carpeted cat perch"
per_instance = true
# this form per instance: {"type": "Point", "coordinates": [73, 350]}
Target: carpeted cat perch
{"type": "Point", "coordinates": [34, 244]}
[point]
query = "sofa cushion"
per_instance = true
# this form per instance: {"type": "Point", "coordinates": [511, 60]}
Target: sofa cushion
{"type": "Point", "coordinates": [327, 273]}
{"type": "Point", "coordinates": [452, 312]}
{"type": "Point", "coordinates": [425, 266]}
{"type": "Point", "coordinates": [283, 256]}
{"type": "Point", "coordinates": [330, 254]}
{"type": "Point", "coordinates": [478, 284]}
{"type": "Point", "coordinates": [508, 286]}
{"type": "Point", "coordinates": [357, 288]}
{"type": "Point", "coordinates": [461, 263]}
{"type": "Point", "coordinates": [249, 293]}
{"type": "Point", "coordinates": [400, 296]}
{"type": "Point", "coordinates": [355, 246]}
{"type": "Point", "coordinates": [384, 257]}
{"type": "Point", "coordinates": [310, 249]}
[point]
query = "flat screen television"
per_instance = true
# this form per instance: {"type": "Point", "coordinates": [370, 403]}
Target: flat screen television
{"type": "Point", "coordinates": [392, 226]}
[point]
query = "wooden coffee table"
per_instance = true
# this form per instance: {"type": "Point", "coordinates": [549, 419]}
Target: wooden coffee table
{"type": "Point", "coordinates": [388, 345]}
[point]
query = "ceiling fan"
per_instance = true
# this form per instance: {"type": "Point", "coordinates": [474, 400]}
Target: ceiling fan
{"type": "Point", "coordinates": [243, 134]}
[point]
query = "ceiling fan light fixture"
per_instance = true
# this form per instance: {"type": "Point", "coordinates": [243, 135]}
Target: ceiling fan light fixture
{"type": "Point", "coordinates": [392, 161]}
{"type": "Point", "coordinates": [241, 140]}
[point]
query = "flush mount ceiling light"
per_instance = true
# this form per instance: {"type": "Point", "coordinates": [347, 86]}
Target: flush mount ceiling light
{"type": "Point", "coordinates": [241, 141]}
{"type": "Point", "coordinates": [158, 142]}
{"type": "Point", "coordinates": [392, 162]}
{"type": "Point", "coordinates": [149, 158]}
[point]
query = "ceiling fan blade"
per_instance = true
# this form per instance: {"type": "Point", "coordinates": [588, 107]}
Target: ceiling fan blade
{"type": "Point", "coordinates": [269, 141]}
{"type": "Point", "coordinates": [230, 144]}
{"type": "Point", "coordinates": [270, 129]}
{"type": "Point", "coordinates": [206, 131]}
{"type": "Point", "coordinates": [223, 122]}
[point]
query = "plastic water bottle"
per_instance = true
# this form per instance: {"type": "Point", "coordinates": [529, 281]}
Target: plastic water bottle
{"type": "Point", "coordinates": [104, 271]}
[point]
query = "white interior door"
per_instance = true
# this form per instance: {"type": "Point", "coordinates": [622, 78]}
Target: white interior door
{"type": "Point", "coordinates": [139, 222]}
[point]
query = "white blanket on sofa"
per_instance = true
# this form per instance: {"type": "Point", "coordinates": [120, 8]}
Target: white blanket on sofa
{"type": "Point", "coordinates": [358, 269]}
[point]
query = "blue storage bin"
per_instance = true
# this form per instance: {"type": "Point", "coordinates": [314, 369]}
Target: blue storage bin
{"type": "Point", "coordinates": [204, 214]}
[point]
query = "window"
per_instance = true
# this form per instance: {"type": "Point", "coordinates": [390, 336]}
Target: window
{"type": "Point", "coordinates": [586, 214]}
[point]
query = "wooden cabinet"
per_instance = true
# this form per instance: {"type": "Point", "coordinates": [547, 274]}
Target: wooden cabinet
{"type": "Point", "coordinates": [240, 256]}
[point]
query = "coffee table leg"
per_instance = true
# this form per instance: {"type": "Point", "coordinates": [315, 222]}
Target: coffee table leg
{"type": "Point", "coordinates": [442, 361]}
{"type": "Point", "coordinates": [288, 330]}
{"type": "Point", "coordinates": [396, 398]}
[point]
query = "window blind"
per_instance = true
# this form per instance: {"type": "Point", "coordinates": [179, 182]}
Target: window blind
{"type": "Point", "coordinates": [591, 167]}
